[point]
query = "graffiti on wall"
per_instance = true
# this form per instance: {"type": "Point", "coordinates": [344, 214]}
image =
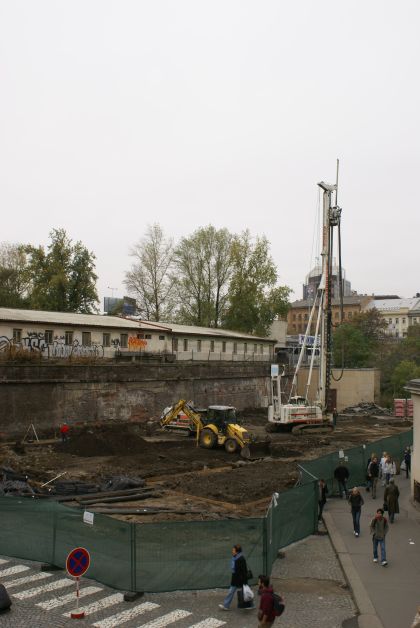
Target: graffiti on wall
{"type": "Point", "coordinates": [136, 344]}
{"type": "Point", "coordinates": [35, 341]}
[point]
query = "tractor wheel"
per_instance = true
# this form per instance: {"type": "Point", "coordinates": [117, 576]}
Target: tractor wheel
{"type": "Point", "coordinates": [231, 445]}
{"type": "Point", "coordinates": [208, 439]}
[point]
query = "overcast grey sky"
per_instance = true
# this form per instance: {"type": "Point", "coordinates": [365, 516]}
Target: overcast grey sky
{"type": "Point", "coordinates": [115, 115]}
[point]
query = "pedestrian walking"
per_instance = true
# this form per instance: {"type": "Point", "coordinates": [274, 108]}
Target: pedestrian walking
{"type": "Point", "coordinates": [341, 474]}
{"type": "Point", "coordinates": [379, 528]}
{"type": "Point", "coordinates": [391, 495]}
{"type": "Point", "coordinates": [368, 479]}
{"type": "Point", "coordinates": [407, 460]}
{"type": "Point", "coordinates": [266, 611]}
{"type": "Point", "coordinates": [322, 497]}
{"type": "Point", "coordinates": [356, 502]}
{"type": "Point", "coordinates": [381, 467]}
{"type": "Point", "coordinates": [373, 474]}
{"type": "Point", "coordinates": [389, 469]}
{"type": "Point", "coordinates": [239, 576]}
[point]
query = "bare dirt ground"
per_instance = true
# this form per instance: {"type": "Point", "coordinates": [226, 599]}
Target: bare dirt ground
{"type": "Point", "coordinates": [189, 482]}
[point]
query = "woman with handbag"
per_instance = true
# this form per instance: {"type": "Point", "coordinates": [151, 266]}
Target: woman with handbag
{"type": "Point", "coordinates": [239, 577]}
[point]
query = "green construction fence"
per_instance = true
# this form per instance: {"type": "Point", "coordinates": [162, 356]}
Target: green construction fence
{"type": "Point", "coordinates": [177, 555]}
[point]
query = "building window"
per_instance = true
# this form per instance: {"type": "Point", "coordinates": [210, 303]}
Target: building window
{"type": "Point", "coordinates": [306, 317]}
{"type": "Point", "coordinates": [255, 348]}
{"type": "Point", "coordinates": [185, 344]}
{"type": "Point", "coordinates": [300, 317]}
{"type": "Point", "coordinates": [350, 314]}
{"type": "Point", "coordinates": [175, 344]}
{"type": "Point", "coordinates": [414, 320]}
{"type": "Point", "coordinates": [48, 336]}
{"type": "Point", "coordinates": [123, 341]}
{"type": "Point", "coordinates": [140, 335]}
{"type": "Point", "coordinates": [245, 347]}
{"type": "Point", "coordinates": [294, 317]}
{"type": "Point", "coordinates": [261, 349]}
{"type": "Point", "coordinates": [106, 339]}
{"type": "Point", "coordinates": [212, 345]}
{"type": "Point", "coordinates": [86, 338]}
{"type": "Point", "coordinates": [68, 337]}
{"type": "Point", "coordinates": [161, 337]}
{"type": "Point", "coordinates": [17, 335]}
{"type": "Point", "coordinates": [148, 336]}
{"type": "Point", "coordinates": [235, 347]}
{"type": "Point", "coordinates": [224, 346]}
{"type": "Point", "coordinates": [403, 320]}
{"type": "Point", "coordinates": [397, 320]}
{"type": "Point", "coordinates": [390, 321]}
{"type": "Point", "coordinates": [198, 345]}
{"type": "Point", "coordinates": [294, 327]}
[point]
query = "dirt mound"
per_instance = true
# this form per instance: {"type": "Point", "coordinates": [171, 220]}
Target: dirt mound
{"type": "Point", "coordinates": [110, 440]}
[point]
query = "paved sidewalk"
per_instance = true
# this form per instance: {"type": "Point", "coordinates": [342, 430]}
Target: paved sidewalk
{"type": "Point", "coordinates": [386, 596]}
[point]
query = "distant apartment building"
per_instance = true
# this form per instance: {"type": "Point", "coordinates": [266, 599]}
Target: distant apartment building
{"type": "Point", "coordinates": [299, 312]}
{"type": "Point", "coordinates": [399, 314]}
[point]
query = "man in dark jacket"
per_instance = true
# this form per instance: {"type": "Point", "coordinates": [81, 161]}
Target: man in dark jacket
{"type": "Point", "coordinates": [373, 474]}
{"type": "Point", "coordinates": [342, 474]}
{"type": "Point", "coordinates": [239, 575]}
{"type": "Point", "coordinates": [266, 614]}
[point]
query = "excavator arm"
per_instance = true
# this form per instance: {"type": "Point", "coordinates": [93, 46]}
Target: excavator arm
{"type": "Point", "coordinates": [182, 407]}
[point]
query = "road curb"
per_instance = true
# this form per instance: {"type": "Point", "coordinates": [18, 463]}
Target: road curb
{"type": "Point", "coordinates": [368, 617]}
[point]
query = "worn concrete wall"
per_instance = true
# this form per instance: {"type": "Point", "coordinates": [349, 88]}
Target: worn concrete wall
{"type": "Point", "coordinates": [355, 386]}
{"type": "Point", "coordinates": [46, 395]}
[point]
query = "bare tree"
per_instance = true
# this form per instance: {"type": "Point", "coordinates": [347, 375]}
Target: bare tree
{"type": "Point", "coordinates": [149, 279]}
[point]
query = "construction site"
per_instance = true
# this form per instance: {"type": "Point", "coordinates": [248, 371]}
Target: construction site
{"type": "Point", "coordinates": [140, 472]}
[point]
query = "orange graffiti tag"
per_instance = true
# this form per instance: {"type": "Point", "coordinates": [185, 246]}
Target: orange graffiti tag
{"type": "Point", "coordinates": [136, 343]}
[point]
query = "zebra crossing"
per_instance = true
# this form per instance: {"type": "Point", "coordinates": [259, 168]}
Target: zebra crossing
{"type": "Point", "coordinates": [50, 588]}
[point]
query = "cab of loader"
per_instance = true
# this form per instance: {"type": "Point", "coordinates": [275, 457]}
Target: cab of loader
{"type": "Point", "coordinates": [220, 416]}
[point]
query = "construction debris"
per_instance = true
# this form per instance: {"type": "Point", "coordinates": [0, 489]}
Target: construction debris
{"type": "Point", "coordinates": [366, 408]}
{"type": "Point", "coordinates": [13, 483]}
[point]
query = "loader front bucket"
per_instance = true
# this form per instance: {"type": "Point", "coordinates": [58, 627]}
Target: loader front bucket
{"type": "Point", "coordinates": [259, 448]}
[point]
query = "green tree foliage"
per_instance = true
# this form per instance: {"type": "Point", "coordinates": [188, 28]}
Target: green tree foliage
{"type": "Point", "coordinates": [149, 279]}
{"type": "Point", "coordinates": [403, 372]}
{"type": "Point", "coordinates": [63, 277]}
{"type": "Point", "coordinates": [357, 342]}
{"type": "Point", "coordinates": [14, 276]}
{"type": "Point", "coordinates": [254, 298]}
{"type": "Point", "coordinates": [203, 263]}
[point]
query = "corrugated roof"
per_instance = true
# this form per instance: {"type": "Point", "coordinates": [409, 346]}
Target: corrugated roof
{"type": "Point", "coordinates": [205, 331]}
{"type": "Point", "coordinates": [394, 305]}
{"type": "Point", "coordinates": [65, 318]}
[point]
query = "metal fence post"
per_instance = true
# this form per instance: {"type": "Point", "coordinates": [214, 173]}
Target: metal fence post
{"type": "Point", "coordinates": [54, 535]}
{"type": "Point", "coordinates": [133, 554]}
{"type": "Point", "coordinates": [265, 548]}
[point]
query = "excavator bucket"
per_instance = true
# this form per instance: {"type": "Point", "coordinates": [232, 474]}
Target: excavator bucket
{"type": "Point", "coordinates": [257, 449]}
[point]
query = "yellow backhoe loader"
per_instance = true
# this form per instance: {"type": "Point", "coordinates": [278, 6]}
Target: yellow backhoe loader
{"type": "Point", "coordinates": [213, 427]}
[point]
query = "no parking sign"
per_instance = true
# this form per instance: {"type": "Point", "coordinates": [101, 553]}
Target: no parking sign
{"type": "Point", "coordinates": [77, 564]}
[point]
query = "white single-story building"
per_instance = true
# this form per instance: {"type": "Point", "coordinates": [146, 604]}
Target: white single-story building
{"type": "Point", "coordinates": [61, 334]}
